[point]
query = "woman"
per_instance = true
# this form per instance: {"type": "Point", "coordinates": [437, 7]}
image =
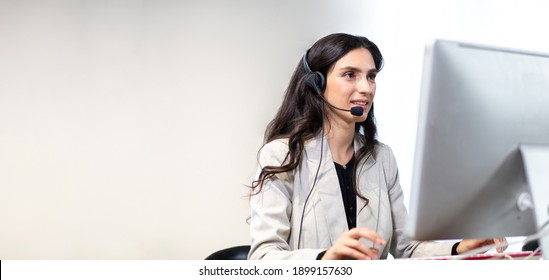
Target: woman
{"type": "Point", "coordinates": [326, 188]}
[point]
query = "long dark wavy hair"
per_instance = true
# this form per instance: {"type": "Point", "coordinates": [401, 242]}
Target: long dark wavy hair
{"type": "Point", "coordinates": [300, 116]}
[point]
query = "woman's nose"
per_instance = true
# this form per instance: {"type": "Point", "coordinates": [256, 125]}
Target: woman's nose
{"type": "Point", "coordinates": [364, 86]}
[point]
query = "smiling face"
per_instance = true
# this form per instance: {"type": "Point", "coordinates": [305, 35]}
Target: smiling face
{"type": "Point", "coordinates": [351, 82]}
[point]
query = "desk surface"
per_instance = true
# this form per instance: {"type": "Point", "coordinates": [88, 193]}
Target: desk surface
{"type": "Point", "coordinates": [524, 255]}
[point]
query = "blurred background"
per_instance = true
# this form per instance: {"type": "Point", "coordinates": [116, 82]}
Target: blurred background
{"type": "Point", "coordinates": [130, 129]}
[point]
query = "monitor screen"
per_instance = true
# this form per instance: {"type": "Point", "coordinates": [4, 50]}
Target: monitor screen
{"type": "Point", "coordinates": [482, 139]}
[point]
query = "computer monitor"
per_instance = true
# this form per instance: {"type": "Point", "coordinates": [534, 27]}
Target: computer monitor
{"type": "Point", "coordinates": [481, 164]}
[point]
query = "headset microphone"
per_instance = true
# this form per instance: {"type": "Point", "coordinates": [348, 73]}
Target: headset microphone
{"type": "Point", "coordinates": [355, 111]}
{"type": "Point", "coordinates": [316, 81]}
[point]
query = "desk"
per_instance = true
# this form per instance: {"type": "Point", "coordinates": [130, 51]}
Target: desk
{"type": "Point", "coordinates": [524, 255]}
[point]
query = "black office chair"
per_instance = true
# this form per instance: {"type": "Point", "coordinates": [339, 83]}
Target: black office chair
{"type": "Point", "coordinates": [231, 253]}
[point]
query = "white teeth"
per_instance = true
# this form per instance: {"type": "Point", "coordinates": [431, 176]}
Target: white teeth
{"type": "Point", "coordinates": [360, 103]}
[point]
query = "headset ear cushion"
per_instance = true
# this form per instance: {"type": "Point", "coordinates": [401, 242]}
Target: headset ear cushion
{"type": "Point", "coordinates": [316, 81]}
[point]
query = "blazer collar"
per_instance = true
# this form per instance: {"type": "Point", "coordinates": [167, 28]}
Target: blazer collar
{"type": "Point", "coordinates": [314, 147]}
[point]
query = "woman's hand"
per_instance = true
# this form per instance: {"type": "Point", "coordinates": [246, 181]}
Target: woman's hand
{"type": "Point", "coordinates": [470, 244]}
{"type": "Point", "coordinates": [349, 247]}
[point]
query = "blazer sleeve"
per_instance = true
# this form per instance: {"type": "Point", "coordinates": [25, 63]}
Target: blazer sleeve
{"type": "Point", "coordinates": [402, 245]}
{"type": "Point", "coordinates": [271, 211]}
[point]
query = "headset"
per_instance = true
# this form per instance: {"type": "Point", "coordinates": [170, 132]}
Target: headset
{"type": "Point", "coordinates": [316, 81]}
{"type": "Point", "coordinates": [313, 79]}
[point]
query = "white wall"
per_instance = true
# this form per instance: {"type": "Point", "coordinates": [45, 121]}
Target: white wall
{"type": "Point", "coordinates": [128, 129]}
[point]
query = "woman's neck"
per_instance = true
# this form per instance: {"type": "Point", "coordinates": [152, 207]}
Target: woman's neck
{"type": "Point", "coordinates": [340, 138]}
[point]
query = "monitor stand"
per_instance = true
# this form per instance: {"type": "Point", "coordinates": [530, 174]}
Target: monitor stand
{"type": "Point", "coordinates": [536, 169]}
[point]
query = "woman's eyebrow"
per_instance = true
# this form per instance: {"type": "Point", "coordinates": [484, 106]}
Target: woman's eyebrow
{"type": "Point", "coordinates": [355, 69]}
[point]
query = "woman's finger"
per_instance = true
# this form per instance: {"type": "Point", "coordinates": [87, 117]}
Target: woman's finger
{"type": "Point", "coordinates": [366, 233]}
{"type": "Point", "coordinates": [501, 244]}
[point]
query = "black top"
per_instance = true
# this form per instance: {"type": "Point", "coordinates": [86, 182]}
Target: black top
{"type": "Point", "coordinates": [346, 184]}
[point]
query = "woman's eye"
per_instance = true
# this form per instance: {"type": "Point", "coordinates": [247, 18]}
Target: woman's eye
{"type": "Point", "coordinates": [372, 77]}
{"type": "Point", "coordinates": [349, 75]}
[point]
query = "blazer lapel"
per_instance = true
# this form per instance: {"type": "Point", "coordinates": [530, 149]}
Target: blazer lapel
{"type": "Point", "coordinates": [370, 189]}
{"type": "Point", "coordinates": [365, 164]}
{"type": "Point", "coordinates": [326, 187]}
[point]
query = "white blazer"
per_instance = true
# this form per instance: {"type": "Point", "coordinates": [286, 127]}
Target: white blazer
{"type": "Point", "coordinates": [276, 211]}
